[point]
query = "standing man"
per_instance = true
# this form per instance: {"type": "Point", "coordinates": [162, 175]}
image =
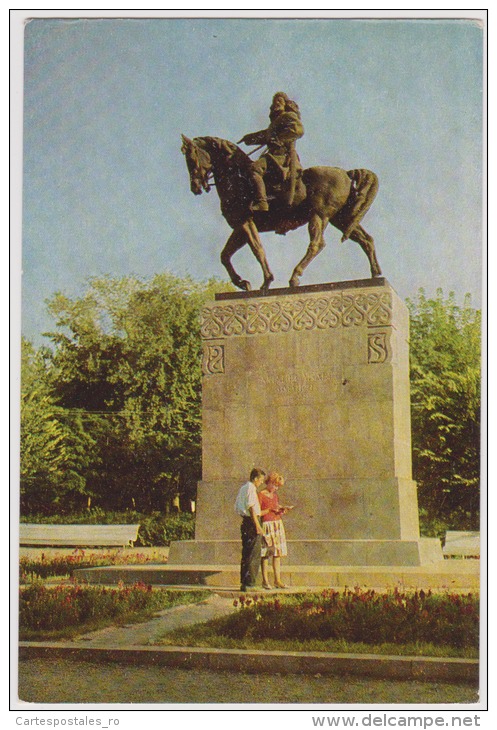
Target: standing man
{"type": "Point", "coordinates": [247, 506]}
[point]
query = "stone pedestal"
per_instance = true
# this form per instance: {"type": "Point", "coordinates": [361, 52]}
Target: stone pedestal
{"type": "Point", "coordinates": [314, 383]}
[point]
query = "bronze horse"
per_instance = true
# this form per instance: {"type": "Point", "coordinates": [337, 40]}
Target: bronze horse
{"type": "Point", "coordinates": [328, 194]}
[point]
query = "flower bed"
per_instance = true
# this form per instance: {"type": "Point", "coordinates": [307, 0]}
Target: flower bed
{"type": "Point", "coordinates": [59, 565]}
{"type": "Point", "coordinates": [65, 607]}
{"type": "Point", "coordinates": [358, 616]}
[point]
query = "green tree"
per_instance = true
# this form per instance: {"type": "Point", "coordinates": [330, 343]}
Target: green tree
{"type": "Point", "coordinates": [55, 449]}
{"type": "Point", "coordinates": [445, 400]}
{"type": "Point", "coordinates": [127, 358]}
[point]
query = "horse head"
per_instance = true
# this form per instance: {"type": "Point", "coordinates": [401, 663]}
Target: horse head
{"type": "Point", "coordinates": [199, 165]}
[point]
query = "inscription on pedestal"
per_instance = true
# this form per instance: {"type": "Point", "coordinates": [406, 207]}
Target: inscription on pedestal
{"type": "Point", "coordinates": [295, 384]}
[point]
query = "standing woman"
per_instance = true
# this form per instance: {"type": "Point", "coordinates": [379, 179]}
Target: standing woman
{"type": "Point", "coordinates": [274, 532]}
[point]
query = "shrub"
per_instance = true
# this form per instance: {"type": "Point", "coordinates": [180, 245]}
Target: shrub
{"type": "Point", "coordinates": [156, 529]}
{"type": "Point", "coordinates": [93, 516]}
{"type": "Point", "coordinates": [457, 519]}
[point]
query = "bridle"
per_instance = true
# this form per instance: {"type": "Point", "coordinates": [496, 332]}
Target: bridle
{"type": "Point", "coordinates": [199, 166]}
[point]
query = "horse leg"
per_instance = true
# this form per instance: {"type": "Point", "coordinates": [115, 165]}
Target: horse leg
{"type": "Point", "coordinates": [237, 240]}
{"type": "Point", "coordinates": [366, 242]}
{"type": "Point", "coordinates": [257, 249]}
{"type": "Point", "coordinates": [316, 244]}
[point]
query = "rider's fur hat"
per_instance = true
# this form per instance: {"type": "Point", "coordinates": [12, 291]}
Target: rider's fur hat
{"type": "Point", "coordinates": [281, 94]}
{"type": "Point", "coordinates": [278, 95]}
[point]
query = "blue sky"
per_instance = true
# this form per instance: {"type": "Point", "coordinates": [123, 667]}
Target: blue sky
{"type": "Point", "coordinates": [105, 187]}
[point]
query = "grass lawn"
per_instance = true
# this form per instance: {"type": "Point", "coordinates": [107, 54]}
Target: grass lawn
{"type": "Point", "coordinates": [207, 635]}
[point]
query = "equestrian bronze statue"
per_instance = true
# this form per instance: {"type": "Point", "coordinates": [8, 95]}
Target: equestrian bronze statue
{"type": "Point", "coordinates": [274, 193]}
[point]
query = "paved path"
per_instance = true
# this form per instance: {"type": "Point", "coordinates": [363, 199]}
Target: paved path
{"type": "Point", "coordinates": [211, 607]}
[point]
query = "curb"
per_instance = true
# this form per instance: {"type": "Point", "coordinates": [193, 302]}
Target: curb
{"type": "Point", "coordinates": [423, 669]}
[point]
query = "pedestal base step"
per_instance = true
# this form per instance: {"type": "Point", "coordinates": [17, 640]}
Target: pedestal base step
{"type": "Point", "coordinates": [446, 576]}
{"type": "Point", "coordinates": [316, 552]}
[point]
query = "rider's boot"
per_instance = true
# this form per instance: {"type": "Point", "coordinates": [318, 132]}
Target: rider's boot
{"type": "Point", "coordinates": [260, 200]}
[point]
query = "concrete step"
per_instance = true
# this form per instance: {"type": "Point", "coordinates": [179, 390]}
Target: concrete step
{"type": "Point", "coordinates": [446, 575]}
{"type": "Point", "coordinates": [252, 661]}
{"type": "Point", "coordinates": [322, 552]}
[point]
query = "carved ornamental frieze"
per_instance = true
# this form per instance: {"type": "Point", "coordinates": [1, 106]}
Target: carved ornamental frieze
{"type": "Point", "coordinates": [367, 309]}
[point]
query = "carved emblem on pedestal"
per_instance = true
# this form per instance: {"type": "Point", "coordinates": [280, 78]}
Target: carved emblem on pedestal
{"type": "Point", "coordinates": [213, 359]}
{"type": "Point", "coordinates": [377, 347]}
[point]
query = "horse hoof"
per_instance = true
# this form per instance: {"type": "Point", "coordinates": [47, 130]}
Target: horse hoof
{"type": "Point", "coordinates": [245, 285]}
{"type": "Point", "coordinates": [294, 281]}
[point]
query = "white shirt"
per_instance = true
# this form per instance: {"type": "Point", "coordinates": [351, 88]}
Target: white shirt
{"type": "Point", "coordinates": [247, 497]}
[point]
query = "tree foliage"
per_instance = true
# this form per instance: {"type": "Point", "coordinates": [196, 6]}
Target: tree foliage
{"type": "Point", "coordinates": [56, 450]}
{"type": "Point", "coordinates": [126, 361]}
{"type": "Point", "coordinates": [445, 402]}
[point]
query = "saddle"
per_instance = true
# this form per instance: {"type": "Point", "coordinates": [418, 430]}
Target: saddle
{"type": "Point", "coordinates": [284, 185]}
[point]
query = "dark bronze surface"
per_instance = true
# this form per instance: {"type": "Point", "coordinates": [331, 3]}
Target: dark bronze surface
{"type": "Point", "coordinates": [274, 193]}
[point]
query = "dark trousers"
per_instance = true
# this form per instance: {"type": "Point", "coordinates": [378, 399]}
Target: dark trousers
{"type": "Point", "coordinates": [251, 552]}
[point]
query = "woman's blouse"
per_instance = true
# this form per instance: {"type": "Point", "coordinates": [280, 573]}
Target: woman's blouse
{"type": "Point", "coordinates": [270, 502]}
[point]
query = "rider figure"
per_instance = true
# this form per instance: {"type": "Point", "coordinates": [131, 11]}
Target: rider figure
{"type": "Point", "coordinates": [284, 129]}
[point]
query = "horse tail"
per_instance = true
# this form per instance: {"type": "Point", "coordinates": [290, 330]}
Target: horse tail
{"type": "Point", "coordinates": [364, 188]}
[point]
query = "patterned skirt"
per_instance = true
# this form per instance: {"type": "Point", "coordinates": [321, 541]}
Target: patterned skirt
{"type": "Point", "coordinates": [274, 532]}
